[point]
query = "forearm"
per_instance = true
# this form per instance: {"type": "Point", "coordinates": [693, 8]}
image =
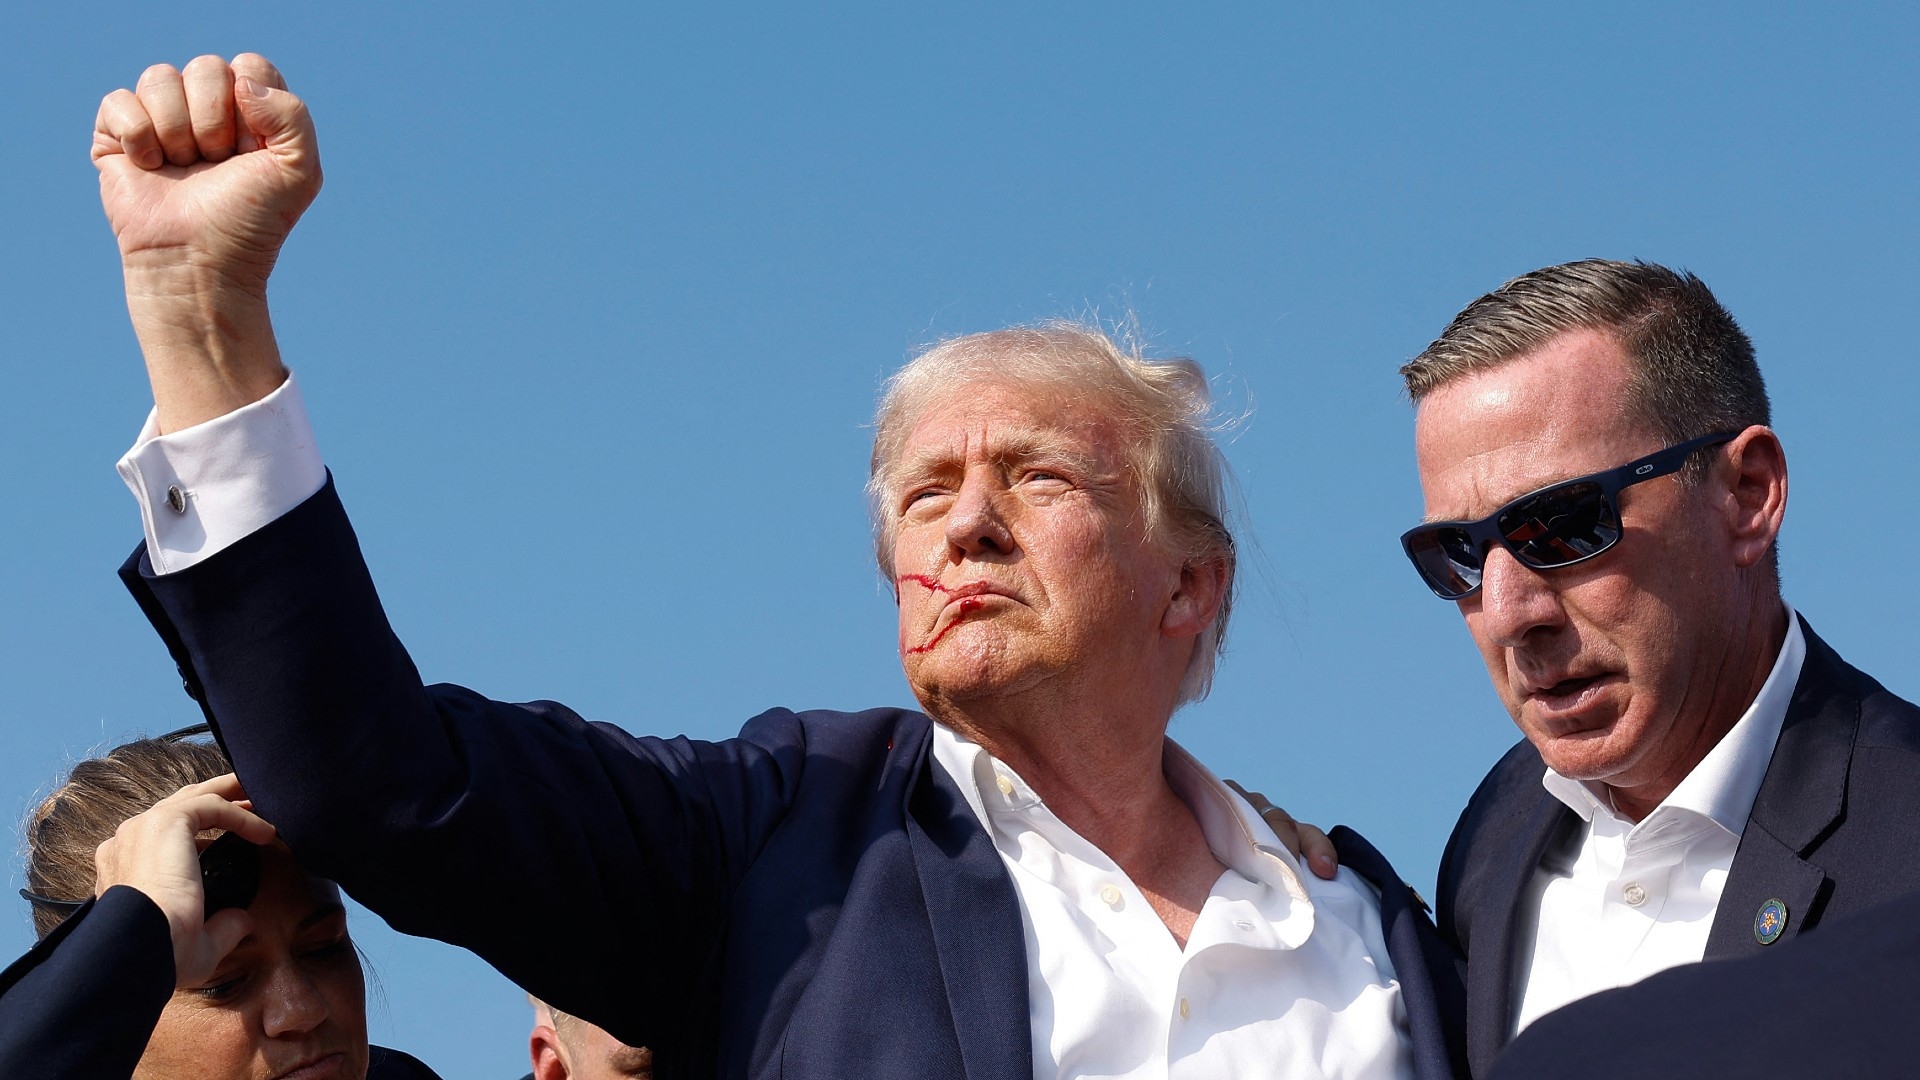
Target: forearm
{"type": "Point", "coordinates": [84, 1001]}
{"type": "Point", "coordinates": [208, 340]}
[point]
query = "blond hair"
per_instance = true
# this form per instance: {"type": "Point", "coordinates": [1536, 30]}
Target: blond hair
{"type": "Point", "coordinates": [1163, 406]}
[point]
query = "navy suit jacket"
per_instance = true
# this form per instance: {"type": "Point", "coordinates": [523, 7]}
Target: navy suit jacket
{"type": "Point", "coordinates": [1838, 1005]}
{"type": "Point", "coordinates": [811, 898]}
{"type": "Point", "coordinates": [82, 1003]}
{"type": "Point", "coordinates": [1832, 831]}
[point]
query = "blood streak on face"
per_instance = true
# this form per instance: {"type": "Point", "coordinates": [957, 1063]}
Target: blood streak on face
{"type": "Point", "coordinates": [970, 602]}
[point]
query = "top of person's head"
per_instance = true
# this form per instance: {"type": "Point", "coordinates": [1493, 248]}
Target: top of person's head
{"type": "Point", "coordinates": [1694, 370]}
{"type": "Point", "coordinates": [100, 793]}
{"type": "Point", "coordinates": [1163, 405]}
{"type": "Point", "coordinates": [588, 1051]}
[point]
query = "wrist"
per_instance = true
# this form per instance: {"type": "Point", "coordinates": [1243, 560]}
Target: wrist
{"type": "Point", "coordinates": [207, 337]}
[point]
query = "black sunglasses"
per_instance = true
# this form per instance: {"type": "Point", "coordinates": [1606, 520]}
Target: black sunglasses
{"type": "Point", "coordinates": [1558, 525]}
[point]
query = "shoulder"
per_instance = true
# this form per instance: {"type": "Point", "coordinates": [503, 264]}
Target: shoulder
{"type": "Point", "coordinates": [1496, 818]}
{"type": "Point", "coordinates": [1886, 720]}
{"type": "Point", "coordinates": [1512, 784]}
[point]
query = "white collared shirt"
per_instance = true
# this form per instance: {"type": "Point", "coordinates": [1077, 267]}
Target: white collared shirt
{"type": "Point", "coordinates": [1621, 901]}
{"type": "Point", "coordinates": [1284, 975]}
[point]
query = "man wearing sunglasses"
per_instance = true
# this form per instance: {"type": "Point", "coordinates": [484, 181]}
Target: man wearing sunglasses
{"type": "Point", "coordinates": [1702, 776]}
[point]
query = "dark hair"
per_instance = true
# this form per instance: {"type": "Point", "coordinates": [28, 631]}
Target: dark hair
{"type": "Point", "coordinates": [1694, 368]}
{"type": "Point", "coordinates": [99, 794]}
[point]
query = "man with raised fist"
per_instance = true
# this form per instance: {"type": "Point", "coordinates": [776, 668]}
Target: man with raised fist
{"type": "Point", "coordinates": [1027, 880]}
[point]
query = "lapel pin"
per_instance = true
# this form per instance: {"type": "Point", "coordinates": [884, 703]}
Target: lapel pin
{"type": "Point", "coordinates": [1770, 922]}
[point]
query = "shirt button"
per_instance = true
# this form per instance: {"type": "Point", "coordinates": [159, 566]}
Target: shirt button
{"type": "Point", "coordinates": [1242, 924]}
{"type": "Point", "coordinates": [1186, 1010]}
{"type": "Point", "coordinates": [1634, 895]}
{"type": "Point", "coordinates": [176, 499]}
{"type": "Point", "coordinates": [1005, 785]}
{"type": "Point", "coordinates": [1110, 896]}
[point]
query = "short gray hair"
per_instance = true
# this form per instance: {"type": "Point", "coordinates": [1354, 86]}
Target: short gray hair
{"type": "Point", "coordinates": [1694, 371]}
{"type": "Point", "coordinates": [1178, 471]}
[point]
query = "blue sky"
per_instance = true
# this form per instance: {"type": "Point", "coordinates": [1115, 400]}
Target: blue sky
{"type": "Point", "coordinates": [593, 310]}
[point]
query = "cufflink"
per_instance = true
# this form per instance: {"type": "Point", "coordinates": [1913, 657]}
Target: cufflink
{"type": "Point", "coordinates": [176, 499]}
{"type": "Point", "coordinates": [1770, 922]}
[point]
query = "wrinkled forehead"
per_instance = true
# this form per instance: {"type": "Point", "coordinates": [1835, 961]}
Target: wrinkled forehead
{"type": "Point", "coordinates": [1493, 435]}
{"type": "Point", "coordinates": [1004, 419]}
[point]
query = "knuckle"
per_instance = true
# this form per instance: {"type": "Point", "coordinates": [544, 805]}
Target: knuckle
{"type": "Point", "coordinates": [159, 73]}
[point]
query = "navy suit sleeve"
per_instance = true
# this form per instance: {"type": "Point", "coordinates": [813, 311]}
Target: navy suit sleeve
{"type": "Point", "coordinates": [81, 1004]}
{"type": "Point", "coordinates": [591, 867]}
{"type": "Point", "coordinates": [385, 1064]}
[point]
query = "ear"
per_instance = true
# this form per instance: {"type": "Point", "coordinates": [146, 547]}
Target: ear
{"type": "Point", "coordinates": [544, 1046]}
{"type": "Point", "coordinates": [1197, 598]}
{"type": "Point", "coordinates": [1756, 493]}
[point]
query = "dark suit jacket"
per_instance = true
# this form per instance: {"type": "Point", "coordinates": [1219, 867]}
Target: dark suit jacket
{"type": "Point", "coordinates": [812, 898]}
{"type": "Point", "coordinates": [81, 1004]}
{"type": "Point", "coordinates": [1837, 1005]}
{"type": "Point", "coordinates": [1832, 831]}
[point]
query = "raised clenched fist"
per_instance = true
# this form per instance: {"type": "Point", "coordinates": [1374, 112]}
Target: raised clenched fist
{"type": "Point", "coordinates": [203, 173]}
{"type": "Point", "coordinates": [208, 167]}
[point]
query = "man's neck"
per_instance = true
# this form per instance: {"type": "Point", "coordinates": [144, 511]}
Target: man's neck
{"type": "Point", "coordinates": [1732, 687]}
{"type": "Point", "coordinates": [1102, 774]}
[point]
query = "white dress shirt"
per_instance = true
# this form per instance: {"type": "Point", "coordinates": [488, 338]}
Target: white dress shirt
{"type": "Point", "coordinates": [207, 486]}
{"type": "Point", "coordinates": [1284, 975]}
{"type": "Point", "coordinates": [1621, 901]}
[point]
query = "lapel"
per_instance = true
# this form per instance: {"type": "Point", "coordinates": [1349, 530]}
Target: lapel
{"type": "Point", "coordinates": [1803, 795]}
{"type": "Point", "coordinates": [1428, 970]}
{"type": "Point", "coordinates": [1491, 965]}
{"type": "Point", "coordinates": [977, 929]}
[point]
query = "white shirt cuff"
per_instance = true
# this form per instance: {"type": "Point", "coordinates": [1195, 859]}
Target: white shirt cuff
{"type": "Point", "coordinates": [203, 488]}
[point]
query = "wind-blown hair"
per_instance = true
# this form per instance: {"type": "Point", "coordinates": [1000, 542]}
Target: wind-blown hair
{"type": "Point", "coordinates": [86, 809]}
{"type": "Point", "coordinates": [1163, 406]}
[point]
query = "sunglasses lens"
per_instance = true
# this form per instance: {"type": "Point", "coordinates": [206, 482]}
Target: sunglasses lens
{"type": "Point", "coordinates": [1561, 525]}
{"type": "Point", "coordinates": [1447, 561]}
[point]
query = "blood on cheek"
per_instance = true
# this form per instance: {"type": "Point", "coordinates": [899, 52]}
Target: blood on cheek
{"type": "Point", "coordinates": [968, 605]}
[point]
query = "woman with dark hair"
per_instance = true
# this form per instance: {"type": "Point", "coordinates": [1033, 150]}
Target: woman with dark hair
{"type": "Point", "coordinates": [178, 940]}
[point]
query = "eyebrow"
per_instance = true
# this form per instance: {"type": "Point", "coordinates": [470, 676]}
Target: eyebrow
{"type": "Point", "coordinates": [321, 914]}
{"type": "Point", "coordinates": [1005, 447]}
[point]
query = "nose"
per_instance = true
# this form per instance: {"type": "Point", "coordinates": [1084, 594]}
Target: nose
{"type": "Point", "coordinates": [292, 1003]}
{"type": "Point", "coordinates": [975, 525]}
{"type": "Point", "coordinates": [1515, 601]}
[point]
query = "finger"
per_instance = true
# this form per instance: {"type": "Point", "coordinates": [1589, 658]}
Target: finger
{"type": "Point", "coordinates": [210, 811]}
{"type": "Point", "coordinates": [1254, 799]}
{"type": "Point", "coordinates": [224, 931]}
{"type": "Point", "coordinates": [197, 957]}
{"type": "Point", "coordinates": [260, 70]}
{"type": "Point", "coordinates": [123, 127]}
{"type": "Point", "coordinates": [1318, 851]}
{"type": "Point", "coordinates": [209, 91]}
{"type": "Point", "coordinates": [277, 120]}
{"type": "Point", "coordinates": [163, 93]}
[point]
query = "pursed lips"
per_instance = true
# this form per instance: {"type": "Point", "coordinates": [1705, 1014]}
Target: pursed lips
{"type": "Point", "coordinates": [314, 1067]}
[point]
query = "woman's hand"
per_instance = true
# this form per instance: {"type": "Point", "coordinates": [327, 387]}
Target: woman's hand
{"type": "Point", "coordinates": [1305, 841]}
{"type": "Point", "coordinates": [157, 853]}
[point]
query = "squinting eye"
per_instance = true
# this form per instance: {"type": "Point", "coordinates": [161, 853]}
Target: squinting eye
{"type": "Point", "coordinates": [221, 991]}
{"type": "Point", "coordinates": [331, 950]}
